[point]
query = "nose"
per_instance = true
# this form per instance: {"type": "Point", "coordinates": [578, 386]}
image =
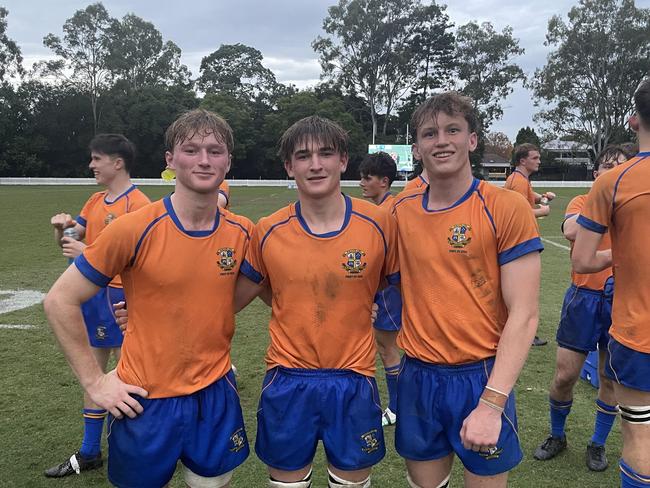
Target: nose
{"type": "Point", "coordinates": [316, 163]}
{"type": "Point", "coordinates": [203, 160]}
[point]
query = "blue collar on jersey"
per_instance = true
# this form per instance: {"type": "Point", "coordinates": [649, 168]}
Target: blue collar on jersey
{"type": "Point", "coordinates": [346, 219]}
{"type": "Point", "coordinates": [383, 199]}
{"type": "Point", "coordinates": [192, 233]}
{"type": "Point", "coordinates": [108, 202]}
{"type": "Point", "coordinates": [517, 171]}
{"type": "Point", "coordinates": [468, 193]}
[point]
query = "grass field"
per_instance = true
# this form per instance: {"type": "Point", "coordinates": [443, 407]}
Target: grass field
{"type": "Point", "coordinates": [40, 401]}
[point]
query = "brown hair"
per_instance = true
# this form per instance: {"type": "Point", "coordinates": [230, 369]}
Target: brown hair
{"type": "Point", "coordinates": [325, 131]}
{"type": "Point", "coordinates": [611, 151]}
{"type": "Point", "coordinates": [202, 122]}
{"type": "Point", "coordinates": [642, 103]}
{"type": "Point", "coordinates": [451, 103]}
{"type": "Point", "coordinates": [522, 151]}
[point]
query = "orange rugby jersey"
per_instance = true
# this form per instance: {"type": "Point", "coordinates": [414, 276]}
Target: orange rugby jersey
{"type": "Point", "coordinates": [594, 281]}
{"type": "Point", "coordinates": [180, 289]}
{"type": "Point", "coordinates": [453, 311]}
{"type": "Point", "coordinates": [323, 285]}
{"type": "Point", "coordinates": [619, 202]}
{"type": "Point", "coordinates": [519, 182]}
{"type": "Point", "coordinates": [224, 189]}
{"type": "Point", "coordinates": [387, 202]}
{"type": "Point", "coordinates": [416, 183]}
{"type": "Point", "coordinates": [98, 212]}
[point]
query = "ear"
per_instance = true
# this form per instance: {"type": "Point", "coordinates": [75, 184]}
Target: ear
{"type": "Point", "coordinates": [385, 182]}
{"type": "Point", "coordinates": [634, 122]}
{"type": "Point", "coordinates": [473, 141]}
{"type": "Point", "coordinates": [229, 163]}
{"type": "Point", "coordinates": [344, 162]}
{"type": "Point", "coordinates": [416, 151]}
{"type": "Point", "coordinates": [288, 168]}
{"type": "Point", "coordinates": [118, 163]}
{"type": "Point", "coordinates": [169, 159]}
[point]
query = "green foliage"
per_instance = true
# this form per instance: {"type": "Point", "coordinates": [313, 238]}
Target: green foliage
{"type": "Point", "coordinates": [600, 55]}
{"type": "Point", "coordinates": [10, 57]}
{"type": "Point", "coordinates": [485, 66]}
{"type": "Point", "coordinates": [526, 134]}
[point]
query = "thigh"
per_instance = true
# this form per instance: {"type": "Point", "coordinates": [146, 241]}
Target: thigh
{"type": "Point", "coordinates": [430, 473]}
{"type": "Point", "coordinates": [287, 422]}
{"type": "Point", "coordinates": [215, 440]}
{"type": "Point", "coordinates": [353, 437]}
{"type": "Point", "coordinates": [496, 481]}
{"type": "Point", "coordinates": [568, 363]}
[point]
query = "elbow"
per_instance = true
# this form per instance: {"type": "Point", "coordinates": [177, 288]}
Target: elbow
{"type": "Point", "coordinates": [580, 265]}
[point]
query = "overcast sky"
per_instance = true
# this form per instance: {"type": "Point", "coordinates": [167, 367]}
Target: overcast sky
{"type": "Point", "coordinates": [283, 31]}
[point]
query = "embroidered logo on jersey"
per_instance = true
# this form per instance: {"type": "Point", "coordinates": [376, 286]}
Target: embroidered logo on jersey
{"type": "Point", "coordinates": [459, 237]}
{"type": "Point", "coordinates": [354, 264]}
{"type": "Point", "coordinates": [227, 259]}
{"type": "Point", "coordinates": [238, 440]}
{"type": "Point", "coordinates": [372, 443]}
{"type": "Point", "coordinates": [109, 218]}
{"type": "Point", "coordinates": [491, 453]}
{"type": "Point", "coordinates": [100, 333]}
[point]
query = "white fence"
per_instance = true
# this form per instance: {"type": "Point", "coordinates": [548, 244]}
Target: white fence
{"type": "Point", "coordinates": [284, 183]}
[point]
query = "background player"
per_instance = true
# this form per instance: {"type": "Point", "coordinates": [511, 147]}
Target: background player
{"type": "Point", "coordinates": [324, 258]}
{"type": "Point", "coordinates": [584, 325]}
{"type": "Point", "coordinates": [378, 171]}
{"type": "Point", "coordinates": [179, 259]}
{"type": "Point", "coordinates": [618, 202]}
{"type": "Point", "coordinates": [527, 160]}
{"type": "Point", "coordinates": [471, 250]}
{"type": "Point", "coordinates": [111, 158]}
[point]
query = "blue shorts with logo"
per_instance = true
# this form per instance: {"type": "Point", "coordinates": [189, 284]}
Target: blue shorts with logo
{"type": "Point", "coordinates": [432, 403]}
{"type": "Point", "coordinates": [627, 367]}
{"type": "Point", "coordinates": [389, 309]}
{"type": "Point", "coordinates": [299, 407]}
{"type": "Point", "coordinates": [99, 317]}
{"type": "Point", "coordinates": [204, 430]}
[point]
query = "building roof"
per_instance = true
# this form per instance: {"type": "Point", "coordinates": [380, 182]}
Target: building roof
{"type": "Point", "coordinates": [494, 160]}
{"type": "Point", "coordinates": [558, 145]}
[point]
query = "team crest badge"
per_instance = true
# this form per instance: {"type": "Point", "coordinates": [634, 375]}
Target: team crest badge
{"type": "Point", "coordinates": [227, 259]}
{"type": "Point", "coordinates": [100, 333]}
{"type": "Point", "coordinates": [491, 453]}
{"type": "Point", "coordinates": [109, 218]}
{"type": "Point", "coordinates": [371, 441]}
{"type": "Point", "coordinates": [459, 237]}
{"type": "Point", "coordinates": [238, 440]}
{"type": "Point", "coordinates": [353, 261]}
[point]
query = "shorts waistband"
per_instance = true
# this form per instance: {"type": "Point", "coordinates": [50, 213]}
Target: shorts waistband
{"type": "Point", "coordinates": [316, 373]}
{"type": "Point", "coordinates": [454, 369]}
{"type": "Point", "coordinates": [584, 289]}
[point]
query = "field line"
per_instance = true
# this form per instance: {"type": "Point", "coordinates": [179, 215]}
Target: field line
{"type": "Point", "coordinates": [561, 246]}
{"type": "Point", "coordinates": [17, 326]}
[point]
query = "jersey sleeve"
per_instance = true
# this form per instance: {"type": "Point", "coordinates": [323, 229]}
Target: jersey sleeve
{"type": "Point", "coordinates": [82, 218]}
{"type": "Point", "coordinates": [516, 229]}
{"type": "Point", "coordinates": [597, 211]}
{"type": "Point", "coordinates": [391, 263]}
{"type": "Point", "coordinates": [253, 266]}
{"type": "Point", "coordinates": [139, 200]}
{"type": "Point", "coordinates": [521, 186]}
{"type": "Point", "coordinates": [109, 254]}
{"type": "Point", "coordinates": [574, 207]}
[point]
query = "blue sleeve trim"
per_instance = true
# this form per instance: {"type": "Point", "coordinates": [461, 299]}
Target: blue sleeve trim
{"type": "Point", "coordinates": [251, 273]}
{"type": "Point", "coordinates": [521, 249]}
{"type": "Point", "coordinates": [90, 273]}
{"type": "Point", "coordinates": [393, 279]}
{"type": "Point", "coordinates": [591, 225]}
{"type": "Point", "coordinates": [81, 221]}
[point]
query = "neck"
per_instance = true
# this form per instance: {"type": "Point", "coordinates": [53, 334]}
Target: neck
{"type": "Point", "coordinates": [323, 214]}
{"type": "Point", "coordinates": [523, 171]}
{"type": "Point", "coordinates": [644, 141]}
{"type": "Point", "coordinates": [119, 185]}
{"type": "Point", "coordinates": [196, 211]}
{"type": "Point", "coordinates": [380, 197]}
{"type": "Point", "coordinates": [444, 192]}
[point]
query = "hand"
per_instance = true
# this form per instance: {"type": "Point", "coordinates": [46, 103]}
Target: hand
{"type": "Point", "coordinates": [62, 221]}
{"type": "Point", "coordinates": [72, 247]}
{"type": "Point", "coordinates": [481, 429]}
{"type": "Point", "coordinates": [121, 315]}
{"type": "Point", "coordinates": [373, 313]}
{"type": "Point", "coordinates": [545, 210]}
{"type": "Point", "coordinates": [550, 195]}
{"type": "Point", "coordinates": [112, 394]}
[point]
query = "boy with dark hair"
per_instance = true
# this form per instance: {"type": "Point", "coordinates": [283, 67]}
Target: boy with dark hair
{"type": "Point", "coordinates": [112, 156]}
{"type": "Point", "coordinates": [378, 171]}
{"type": "Point", "coordinates": [470, 270]}
{"type": "Point", "coordinates": [173, 395]}
{"type": "Point", "coordinates": [618, 204]}
{"type": "Point", "coordinates": [324, 258]}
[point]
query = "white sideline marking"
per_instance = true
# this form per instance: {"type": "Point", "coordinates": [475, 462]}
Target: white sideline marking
{"type": "Point", "coordinates": [17, 326]}
{"type": "Point", "coordinates": [561, 246]}
{"type": "Point", "coordinates": [18, 299]}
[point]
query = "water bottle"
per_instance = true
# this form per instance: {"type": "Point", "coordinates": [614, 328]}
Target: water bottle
{"type": "Point", "coordinates": [71, 232]}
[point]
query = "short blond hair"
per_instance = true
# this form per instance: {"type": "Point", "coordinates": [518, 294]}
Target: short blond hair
{"type": "Point", "coordinates": [202, 122]}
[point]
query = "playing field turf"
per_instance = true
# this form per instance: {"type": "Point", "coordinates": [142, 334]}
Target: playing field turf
{"type": "Point", "coordinates": [40, 401]}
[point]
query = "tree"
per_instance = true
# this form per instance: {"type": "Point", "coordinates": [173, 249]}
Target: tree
{"type": "Point", "coordinates": [485, 67]}
{"type": "Point", "coordinates": [498, 143]}
{"type": "Point", "coordinates": [140, 58]}
{"type": "Point", "coordinates": [10, 58]}
{"type": "Point", "coordinates": [527, 135]}
{"type": "Point", "coordinates": [601, 54]}
{"type": "Point", "coordinates": [376, 48]}
{"type": "Point", "coordinates": [237, 70]}
{"type": "Point", "coordinates": [83, 52]}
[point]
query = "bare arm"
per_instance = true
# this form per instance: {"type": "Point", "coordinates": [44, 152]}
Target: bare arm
{"type": "Point", "coordinates": [541, 211]}
{"type": "Point", "coordinates": [570, 228]}
{"type": "Point", "coordinates": [62, 307]}
{"type": "Point", "coordinates": [549, 195]}
{"type": "Point", "coordinates": [586, 258]}
{"type": "Point", "coordinates": [520, 289]}
{"type": "Point", "coordinates": [246, 290]}
{"type": "Point", "coordinates": [63, 221]}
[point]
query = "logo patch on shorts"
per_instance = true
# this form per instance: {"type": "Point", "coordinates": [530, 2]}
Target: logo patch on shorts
{"type": "Point", "coordinates": [354, 264]}
{"type": "Point", "coordinates": [238, 440]}
{"type": "Point", "coordinates": [227, 259]}
{"type": "Point", "coordinates": [100, 333]}
{"type": "Point", "coordinates": [371, 441]}
{"type": "Point", "coordinates": [491, 453]}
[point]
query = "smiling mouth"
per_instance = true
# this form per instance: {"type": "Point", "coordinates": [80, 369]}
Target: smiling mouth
{"type": "Point", "coordinates": [442, 154]}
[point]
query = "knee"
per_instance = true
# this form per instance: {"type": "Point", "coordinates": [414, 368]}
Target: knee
{"type": "Point", "coordinates": [336, 481]}
{"type": "Point", "coordinates": [303, 483]}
